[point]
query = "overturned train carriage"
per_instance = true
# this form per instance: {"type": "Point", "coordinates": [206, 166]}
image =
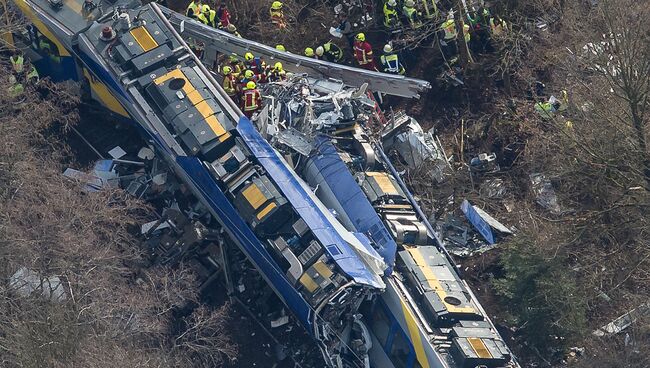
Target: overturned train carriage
{"type": "Point", "coordinates": [320, 270]}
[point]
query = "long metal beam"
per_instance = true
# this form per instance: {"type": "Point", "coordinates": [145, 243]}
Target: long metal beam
{"type": "Point", "coordinates": [218, 41]}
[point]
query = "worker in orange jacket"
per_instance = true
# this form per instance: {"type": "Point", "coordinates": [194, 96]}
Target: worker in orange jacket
{"type": "Point", "coordinates": [251, 101]}
{"type": "Point", "coordinates": [229, 83]}
{"type": "Point", "coordinates": [363, 52]}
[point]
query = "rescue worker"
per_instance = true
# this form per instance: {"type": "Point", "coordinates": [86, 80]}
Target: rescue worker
{"type": "Point", "coordinates": [48, 49]}
{"type": "Point", "coordinates": [363, 53]}
{"type": "Point", "coordinates": [277, 74]}
{"type": "Point", "coordinates": [236, 65]}
{"type": "Point", "coordinates": [245, 77]}
{"type": "Point", "coordinates": [448, 43]}
{"type": "Point", "coordinates": [194, 9]}
{"type": "Point", "coordinates": [280, 48]}
{"type": "Point", "coordinates": [32, 76]}
{"type": "Point", "coordinates": [251, 100]}
{"type": "Point", "coordinates": [430, 9]}
{"type": "Point", "coordinates": [17, 63]}
{"type": "Point", "coordinates": [330, 52]}
{"type": "Point", "coordinates": [413, 15]}
{"type": "Point", "coordinates": [15, 88]}
{"type": "Point", "coordinates": [390, 61]}
{"type": "Point", "coordinates": [223, 14]}
{"type": "Point", "coordinates": [233, 30]}
{"type": "Point", "coordinates": [497, 26]}
{"type": "Point", "coordinates": [208, 16]}
{"type": "Point", "coordinates": [345, 28]}
{"type": "Point", "coordinates": [391, 18]}
{"type": "Point", "coordinates": [256, 64]}
{"type": "Point", "coordinates": [309, 52]}
{"type": "Point", "coordinates": [229, 82]}
{"type": "Point", "coordinates": [277, 15]}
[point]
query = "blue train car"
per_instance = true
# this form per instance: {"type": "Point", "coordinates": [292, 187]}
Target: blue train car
{"type": "Point", "coordinates": [138, 66]}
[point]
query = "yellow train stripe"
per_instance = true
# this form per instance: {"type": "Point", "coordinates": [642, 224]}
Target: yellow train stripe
{"type": "Point", "coordinates": [308, 282]}
{"type": "Point", "coordinates": [434, 283]}
{"type": "Point", "coordinates": [254, 196]}
{"type": "Point", "coordinates": [198, 101]}
{"type": "Point", "coordinates": [383, 180]}
{"type": "Point", "coordinates": [414, 333]}
{"type": "Point", "coordinates": [105, 96]}
{"type": "Point", "coordinates": [33, 18]}
{"type": "Point", "coordinates": [323, 270]}
{"type": "Point", "coordinates": [266, 210]}
{"type": "Point", "coordinates": [143, 38]}
{"type": "Point", "coordinates": [479, 347]}
{"type": "Point", "coordinates": [74, 5]}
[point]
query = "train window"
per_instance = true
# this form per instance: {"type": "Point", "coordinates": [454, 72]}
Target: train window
{"type": "Point", "coordinates": [400, 350]}
{"type": "Point", "coordinates": [380, 324]}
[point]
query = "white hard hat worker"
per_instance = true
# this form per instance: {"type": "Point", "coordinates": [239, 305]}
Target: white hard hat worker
{"type": "Point", "coordinates": [409, 3]}
{"type": "Point", "coordinates": [320, 51]}
{"type": "Point", "coordinates": [392, 2]}
{"type": "Point", "coordinates": [388, 48]}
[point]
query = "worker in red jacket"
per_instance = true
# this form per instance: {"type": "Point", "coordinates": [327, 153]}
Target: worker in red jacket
{"type": "Point", "coordinates": [251, 101]}
{"type": "Point", "coordinates": [363, 53]}
{"type": "Point", "coordinates": [224, 16]}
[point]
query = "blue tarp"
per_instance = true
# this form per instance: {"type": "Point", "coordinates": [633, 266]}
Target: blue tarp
{"type": "Point", "coordinates": [288, 183]}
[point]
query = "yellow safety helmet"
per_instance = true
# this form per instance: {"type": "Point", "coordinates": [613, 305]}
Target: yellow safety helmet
{"type": "Point", "coordinates": [249, 56]}
{"type": "Point", "coordinates": [205, 8]}
{"type": "Point", "coordinates": [278, 66]}
{"type": "Point", "coordinates": [226, 70]}
{"type": "Point", "coordinates": [360, 37]}
{"type": "Point", "coordinates": [276, 5]}
{"type": "Point", "coordinates": [309, 52]}
{"type": "Point", "coordinates": [327, 46]}
{"type": "Point", "coordinates": [250, 85]}
{"type": "Point", "coordinates": [320, 51]}
{"type": "Point", "coordinates": [280, 48]}
{"type": "Point", "coordinates": [249, 74]}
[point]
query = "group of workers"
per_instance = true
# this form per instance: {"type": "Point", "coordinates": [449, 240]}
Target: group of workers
{"type": "Point", "coordinates": [241, 77]}
{"type": "Point", "coordinates": [219, 18]}
{"type": "Point", "coordinates": [241, 80]}
{"type": "Point", "coordinates": [22, 73]}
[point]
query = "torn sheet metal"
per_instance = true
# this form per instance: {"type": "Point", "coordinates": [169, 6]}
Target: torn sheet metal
{"type": "Point", "coordinates": [418, 149]}
{"type": "Point", "coordinates": [623, 322]}
{"type": "Point", "coordinates": [479, 223]}
{"type": "Point", "coordinates": [296, 140]}
{"type": "Point", "coordinates": [492, 221]}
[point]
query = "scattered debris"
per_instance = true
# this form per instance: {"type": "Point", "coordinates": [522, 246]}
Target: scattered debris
{"type": "Point", "coordinates": [544, 192]}
{"type": "Point", "coordinates": [484, 163]}
{"type": "Point", "coordinates": [496, 225]}
{"type": "Point", "coordinates": [418, 149]}
{"type": "Point", "coordinates": [479, 223]}
{"type": "Point", "coordinates": [493, 188]}
{"type": "Point", "coordinates": [27, 282]}
{"type": "Point", "coordinates": [623, 322]}
{"type": "Point", "coordinates": [117, 152]}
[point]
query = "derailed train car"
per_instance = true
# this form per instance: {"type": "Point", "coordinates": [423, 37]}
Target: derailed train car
{"type": "Point", "coordinates": [139, 65]}
{"type": "Point", "coordinates": [428, 316]}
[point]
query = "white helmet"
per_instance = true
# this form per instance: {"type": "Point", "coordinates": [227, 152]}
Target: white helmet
{"type": "Point", "coordinates": [388, 48]}
{"type": "Point", "coordinates": [409, 3]}
{"type": "Point", "coordinates": [320, 51]}
{"type": "Point", "coordinates": [392, 2]}
{"type": "Point", "coordinates": [450, 15]}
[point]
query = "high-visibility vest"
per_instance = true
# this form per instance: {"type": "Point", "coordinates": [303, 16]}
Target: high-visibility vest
{"type": "Point", "coordinates": [202, 18]}
{"type": "Point", "coordinates": [277, 18]}
{"type": "Point", "coordinates": [45, 46]}
{"type": "Point", "coordinates": [390, 16]}
{"type": "Point", "coordinates": [332, 52]}
{"type": "Point", "coordinates": [250, 99]}
{"type": "Point", "coordinates": [33, 74]}
{"type": "Point", "coordinates": [449, 26]}
{"type": "Point", "coordinates": [430, 8]}
{"type": "Point", "coordinates": [413, 16]}
{"type": "Point", "coordinates": [497, 29]}
{"type": "Point", "coordinates": [17, 63]}
{"type": "Point", "coordinates": [193, 10]}
{"type": "Point", "coordinates": [16, 89]}
{"type": "Point", "coordinates": [391, 63]}
{"type": "Point", "coordinates": [466, 33]}
{"type": "Point", "coordinates": [229, 85]}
